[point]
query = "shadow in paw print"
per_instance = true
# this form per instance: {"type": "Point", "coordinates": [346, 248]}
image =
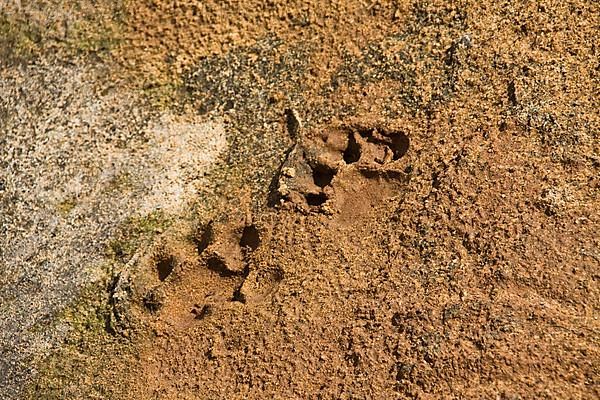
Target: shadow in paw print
{"type": "Point", "coordinates": [352, 152]}
{"type": "Point", "coordinates": [250, 238]}
{"type": "Point", "coordinates": [165, 266]}
{"type": "Point", "coordinates": [323, 175]}
{"type": "Point", "coordinates": [315, 199]}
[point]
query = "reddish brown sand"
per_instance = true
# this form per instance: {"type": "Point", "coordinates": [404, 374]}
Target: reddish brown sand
{"type": "Point", "coordinates": [432, 231]}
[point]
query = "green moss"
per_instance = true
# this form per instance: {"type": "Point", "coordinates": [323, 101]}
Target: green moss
{"type": "Point", "coordinates": [19, 40]}
{"type": "Point", "coordinates": [98, 33]}
{"type": "Point", "coordinates": [92, 36]}
{"type": "Point", "coordinates": [90, 313]}
{"type": "Point", "coordinates": [87, 347]}
{"type": "Point", "coordinates": [76, 368]}
{"type": "Point", "coordinates": [66, 206]}
{"type": "Point", "coordinates": [121, 182]}
{"type": "Point", "coordinates": [85, 319]}
{"type": "Point", "coordinates": [134, 232]}
{"type": "Point", "coordinates": [165, 95]}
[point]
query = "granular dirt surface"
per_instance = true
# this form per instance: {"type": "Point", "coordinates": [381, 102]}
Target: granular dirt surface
{"type": "Point", "coordinates": [408, 207]}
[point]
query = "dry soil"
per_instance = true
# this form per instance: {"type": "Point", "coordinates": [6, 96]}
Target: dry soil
{"type": "Point", "coordinates": [365, 199]}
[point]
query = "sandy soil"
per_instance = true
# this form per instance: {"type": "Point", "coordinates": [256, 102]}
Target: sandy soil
{"type": "Point", "coordinates": [405, 204]}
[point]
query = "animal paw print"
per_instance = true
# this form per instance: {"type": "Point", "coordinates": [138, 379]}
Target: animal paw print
{"type": "Point", "coordinates": [343, 170]}
{"type": "Point", "coordinates": [227, 248]}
